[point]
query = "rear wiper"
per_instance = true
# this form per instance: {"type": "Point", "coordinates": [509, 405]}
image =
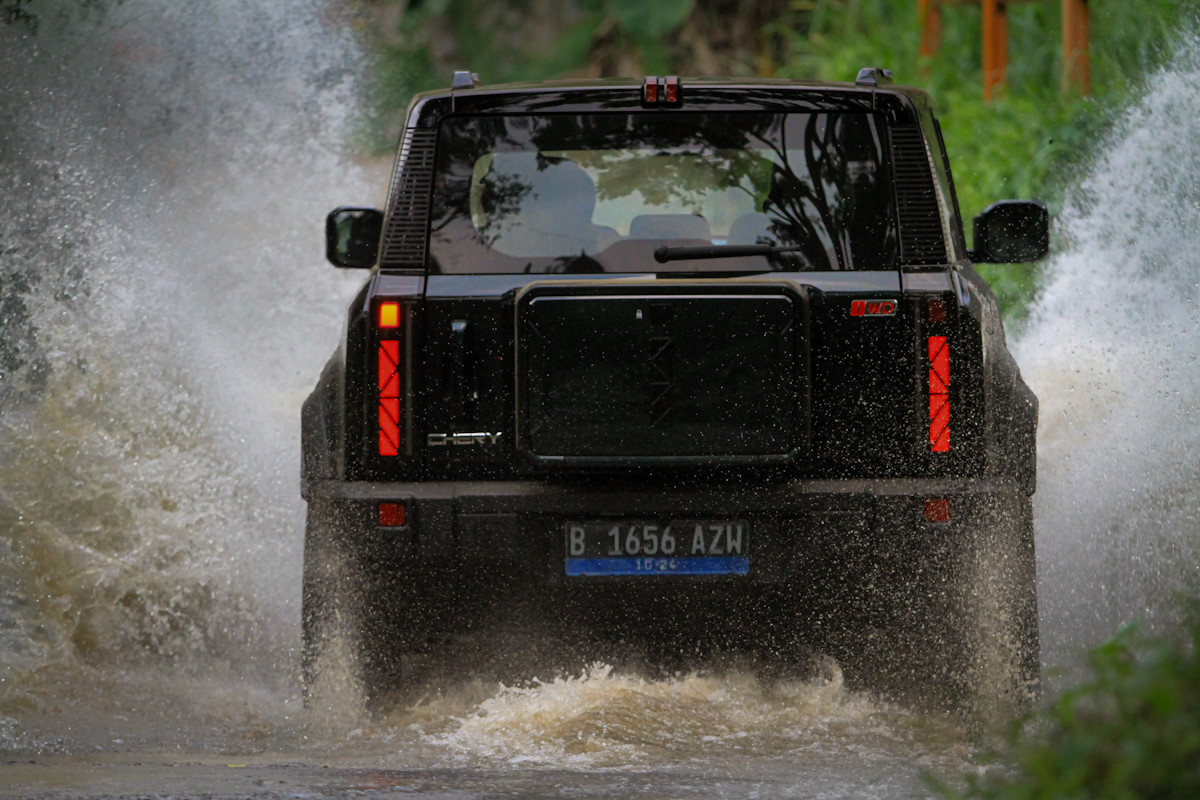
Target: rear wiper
{"type": "Point", "coordinates": [663, 254]}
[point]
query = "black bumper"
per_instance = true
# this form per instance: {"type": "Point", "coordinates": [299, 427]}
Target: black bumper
{"type": "Point", "coordinates": [796, 526]}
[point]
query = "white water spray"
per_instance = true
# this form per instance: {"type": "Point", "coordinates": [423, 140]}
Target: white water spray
{"type": "Point", "coordinates": [164, 171]}
{"type": "Point", "coordinates": [1113, 351]}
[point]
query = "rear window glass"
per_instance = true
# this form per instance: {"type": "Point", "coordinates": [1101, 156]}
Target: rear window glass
{"type": "Point", "coordinates": [600, 192]}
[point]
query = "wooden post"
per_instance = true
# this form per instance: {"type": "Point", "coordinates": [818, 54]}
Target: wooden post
{"type": "Point", "coordinates": [1077, 72]}
{"type": "Point", "coordinates": [930, 14]}
{"type": "Point", "coordinates": [995, 46]}
{"type": "Point", "coordinates": [1076, 66]}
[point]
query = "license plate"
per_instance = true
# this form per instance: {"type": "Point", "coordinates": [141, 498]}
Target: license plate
{"type": "Point", "coordinates": [688, 547]}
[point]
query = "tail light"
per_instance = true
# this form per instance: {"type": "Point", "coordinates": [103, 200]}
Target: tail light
{"type": "Point", "coordinates": [392, 515]}
{"type": "Point", "coordinates": [389, 317]}
{"type": "Point", "coordinates": [937, 510]}
{"type": "Point", "coordinates": [662, 91]}
{"type": "Point", "coordinates": [939, 394]}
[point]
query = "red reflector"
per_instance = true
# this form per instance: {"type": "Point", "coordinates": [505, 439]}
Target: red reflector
{"type": "Point", "coordinates": [650, 90]}
{"type": "Point", "coordinates": [389, 427]}
{"type": "Point", "coordinates": [937, 510]}
{"type": "Point", "coordinates": [389, 398]}
{"type": "Point", "coordinates": [392, 515]}
{"type": "Point", "coordinates": [939, 394]}
{"type": "Point", "coordinates": [389, 315]}
{"type": "Point", "coordinates": [389, 369]}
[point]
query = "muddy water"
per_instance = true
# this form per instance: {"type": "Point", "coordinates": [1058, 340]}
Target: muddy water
{"type": "Point", "coordinates": [165, 169]}
{"type": "Point", "coordinates": [603, 733]}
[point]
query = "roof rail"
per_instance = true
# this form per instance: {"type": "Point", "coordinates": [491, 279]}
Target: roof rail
{"type": "Point", "coordinates": [874, 76]}
{"type": "Point", "coordinates": [465, 80]}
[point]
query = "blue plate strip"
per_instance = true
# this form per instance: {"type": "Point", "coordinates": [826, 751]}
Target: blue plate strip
{"type": "Point", "coordinates": [689, 565]}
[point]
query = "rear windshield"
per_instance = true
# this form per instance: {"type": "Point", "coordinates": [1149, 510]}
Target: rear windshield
{"type": "Point", "coordinates": [600, 192]}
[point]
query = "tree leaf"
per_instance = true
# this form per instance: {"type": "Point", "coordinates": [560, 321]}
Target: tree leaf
{"type": "Point", "coordinates": [649, 20]}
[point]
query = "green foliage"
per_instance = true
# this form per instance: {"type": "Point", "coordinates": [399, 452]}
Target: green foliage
{"type": "Point", "coordinates": [498, 42]}
{"type": "Point", "coordinates": [1030, 142]}
{"type": "Point", "coordinates": [642, 20]}
{"type": "Point", "coordinates": [1131, 732]}
{"type": "Point", "coordinates": [402, 68]}
{"type": "Point", "coordinates": [1033, 139]}
{"type": "Point", "coordinates": [499, 62]}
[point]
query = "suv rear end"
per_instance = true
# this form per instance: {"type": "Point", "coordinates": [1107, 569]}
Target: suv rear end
{"type": "Point", "coordinates": [665, 346]}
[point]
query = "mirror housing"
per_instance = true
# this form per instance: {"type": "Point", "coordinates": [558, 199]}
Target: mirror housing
{"type": "Point", "coordinates": [1011, 232]}
{"type": "Point", "coordinates": [352, 237]}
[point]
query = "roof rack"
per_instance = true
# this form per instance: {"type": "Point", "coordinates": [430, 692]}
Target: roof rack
{"type": "Point", "coordinates": [874, 76]}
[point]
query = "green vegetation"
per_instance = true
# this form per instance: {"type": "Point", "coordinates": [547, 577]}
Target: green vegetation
{"type": "Point", "coordinates": [420, 42]}
{"type": "Point", "coordinates": [1028, 143]}
{"type": "Point", "coordinates": [1031, 141]}
{"type": "Point", "coordinates": [1131, 732]}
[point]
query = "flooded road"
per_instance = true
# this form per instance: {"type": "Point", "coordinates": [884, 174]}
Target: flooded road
{"type": "Point", "coordinates": [165, 172]}
{"type": "Point", "coordinates": [116, 777]}
{"type": "Point", "coordinates": [598, 734]}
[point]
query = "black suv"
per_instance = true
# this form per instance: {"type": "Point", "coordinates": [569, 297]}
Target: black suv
{"type": "Point", "coordinates": [695, 364]}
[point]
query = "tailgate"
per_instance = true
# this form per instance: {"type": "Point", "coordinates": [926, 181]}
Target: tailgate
{"type": "Point", "coordinates": [662, 373]}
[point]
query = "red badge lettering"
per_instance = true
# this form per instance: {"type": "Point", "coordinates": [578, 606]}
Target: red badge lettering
{"type": "Point", "coordinates": [872, 308]}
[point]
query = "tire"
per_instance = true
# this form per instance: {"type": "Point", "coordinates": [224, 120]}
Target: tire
{"type": "Point", "coordinates": [370, 624]}
{"type": "Point", "coordinates": [998, 608]}
{"type": "Point", "coordinates": [943, 618]}
{"type": "Point", "coordinates": [346, 644]}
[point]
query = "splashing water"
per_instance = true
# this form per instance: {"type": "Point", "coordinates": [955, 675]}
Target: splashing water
{"type": "Point", "coordinates": [1112, 351]}
{"type": "Point", "coordinates": [164, 309]}
{"type": "Point", "coordinates": [717, 734]}
{"type": "Point", "coordinates": [165, 171]}
{"type": "Point", "coordinates": [601, 718]}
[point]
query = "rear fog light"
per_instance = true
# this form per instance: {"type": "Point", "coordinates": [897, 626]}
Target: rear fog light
{"type": "Point", "coordinates": [392, 515]}
{"type": "Point", "coordinates": [937, 510]}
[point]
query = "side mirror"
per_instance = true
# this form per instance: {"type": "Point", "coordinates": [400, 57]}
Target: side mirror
{"type": "Point", "coordinates": [352, 237]}
{"type": "Point", "coordinates": [1011, 232]}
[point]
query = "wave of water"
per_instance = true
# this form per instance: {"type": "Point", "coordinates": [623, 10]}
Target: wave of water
{"type": "Point", "coordinates": [165, 169]}
{"type": "Point", "coordinates": [607, 718]}
{"type": "Point", "coordinates": [1113, 351]}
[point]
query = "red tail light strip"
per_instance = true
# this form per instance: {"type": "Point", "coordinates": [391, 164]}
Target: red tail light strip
{"type": "Point", "coordinates": [939, 394]}
{"type": "Point", "coordinates": [389, 398]}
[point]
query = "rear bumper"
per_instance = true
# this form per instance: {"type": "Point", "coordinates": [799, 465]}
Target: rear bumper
{"type": "Point", "coordinates": [796, 526]}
